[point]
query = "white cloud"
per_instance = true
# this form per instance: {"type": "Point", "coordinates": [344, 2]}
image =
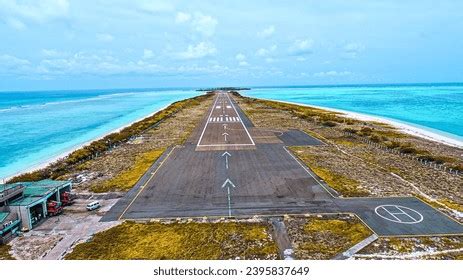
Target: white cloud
{"type": "Point", "coordinates": [101, 63]}
{"type": "Point", "coordinates": [301, 47]}
{"type": "Point", "coordinates": [52, 53]}
{"type": "Point", "coordinates": [204, 24]}
{"type": "Point", "coordinates": [331, 73]}
{"type": "Point", "coordinates": [12, 61]}
{"type": "Point", "coordinates": [240, 57]}
{"type": "Point", "coordinates": [13, 65]}
{"type": "Point", "coordinates": [182, 17]}
{"type": "Point", "coordinates": [269, 60]}
{"type": "Point", "coordinates": [200, 50]}
{"type": "Point", "coordinates": [155, 6]}
{"type": "Point", "coordinates": [15, 23]}
{"type": "Point", "coordinates": [267, 32]}
{"type": "Point", "coordinates": [147, 54]}
{"type": "Point", "coordinates": [105, 37]}
{"type": "Point", "coordinates": [266, 52]}
{"type": "Point", "coordinates": [38, 11]}
{"type": "Point", "coordinates": [352, 50]}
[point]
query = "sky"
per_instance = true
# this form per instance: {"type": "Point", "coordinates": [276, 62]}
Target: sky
{"type": "Point", "coordinates": [79, 44]}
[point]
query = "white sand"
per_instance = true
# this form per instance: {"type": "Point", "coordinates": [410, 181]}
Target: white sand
{"type": "Point", "coordinates": [72, 149]}
{"type": "Point", "coordinates": [404, 127]}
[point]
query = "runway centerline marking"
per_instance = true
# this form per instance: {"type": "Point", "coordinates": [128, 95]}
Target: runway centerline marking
{"type": "Point", "coordinates": [226, 155]}
{"type": "Point", "coordinates": [228, 183]}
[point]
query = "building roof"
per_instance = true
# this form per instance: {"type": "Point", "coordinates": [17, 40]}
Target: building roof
{"type": "Point", "coordinates": [25, 201]}
{"type": "Point", "coordinates": [35, 191]}
{"type": "Point", "coordinates": [3, 216]}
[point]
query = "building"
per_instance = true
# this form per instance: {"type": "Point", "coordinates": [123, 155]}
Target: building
{"type": "Point", "coordinates": [31, 202]}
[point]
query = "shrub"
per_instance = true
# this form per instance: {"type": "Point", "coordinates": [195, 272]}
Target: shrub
{"type": "Point", "coordinates": [329, 124]}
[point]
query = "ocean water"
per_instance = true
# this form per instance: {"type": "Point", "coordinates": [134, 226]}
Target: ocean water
{"type": "Point", "coordinates": [435, 107]}
{"type": "Point", "coordinates": [38, 126]}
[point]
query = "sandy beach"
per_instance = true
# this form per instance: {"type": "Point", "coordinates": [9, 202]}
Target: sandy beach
{"type": "Point", "coordinates": [74, 148]}
{"type": "Point", "coordinates": [406, 128]}
{"type": "Point", "coordinates": [403, 127]}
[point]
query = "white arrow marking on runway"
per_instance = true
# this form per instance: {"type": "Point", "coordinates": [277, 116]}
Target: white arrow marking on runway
{"type": "Point", "coordinates": [228, 183]}
{"type": "Point", "coordinates": [225, 135]}
{"type": "Point", "coordinates": [226, 155]}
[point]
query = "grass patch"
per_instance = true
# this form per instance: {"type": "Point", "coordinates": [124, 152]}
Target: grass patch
{"type": "Point", "coordinates": [4, 252]}
{"type": "Point", "coordinates": [324, 238]}
{"type": "Point", "coordinates": [127, 179]}
{"type": "Point", "coordinates": [343, 184]}
{"type": "Point", "coordinates": [348, 142]}
{"type": "Point", "coordinates": [179, 241]}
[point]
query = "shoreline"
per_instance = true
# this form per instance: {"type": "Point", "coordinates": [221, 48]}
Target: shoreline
{"type": "Point", "coordinates": [403, 127]}
{"type": "Point", "coordinates": [64, 154]}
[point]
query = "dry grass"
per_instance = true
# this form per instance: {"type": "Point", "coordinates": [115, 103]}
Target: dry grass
{"type": "Point", "coordinates": [127, 179]}
{"type": "Point", "coordinates": [344, 185]}
{"type": "Point", "coordinates": [4, 252]}
{"type": "Point", "coordinates": [182, 241]}
{"type": "Point", "coordinates": [325, 237]}
{"type": "Point", "coordinates": [415, 248]}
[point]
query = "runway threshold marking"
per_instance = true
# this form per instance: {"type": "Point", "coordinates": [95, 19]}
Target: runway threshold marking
{"type": "Point", "coordinates": [147, 181]}
{"type": "Point", "coordinates": [221, 120]}
{"type": "Point", "coordinates": [228, 183]}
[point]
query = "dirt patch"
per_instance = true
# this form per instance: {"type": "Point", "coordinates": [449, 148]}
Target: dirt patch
{"type": "Point", "coordinates": [33, 247]}
{"type": "Point", "coordinates": [5, 252]}
{"type": "Point", "coordinates": [435, 248]}
{"type": "Point", "coordinates": [323, 237]}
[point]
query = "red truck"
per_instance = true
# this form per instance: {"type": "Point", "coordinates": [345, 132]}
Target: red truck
{"type": "Point", "coordinates": [54, 208]}
{"type": "Point", "coordinates": [67, 198]}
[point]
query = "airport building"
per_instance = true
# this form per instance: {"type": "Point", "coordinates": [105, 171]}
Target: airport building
{"type": "Point", "coordinates": [24, 205]}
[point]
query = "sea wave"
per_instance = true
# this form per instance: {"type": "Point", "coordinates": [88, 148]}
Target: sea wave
{"type": "Point", "coordinates": [81, 100]}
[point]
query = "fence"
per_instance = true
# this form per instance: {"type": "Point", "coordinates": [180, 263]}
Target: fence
{"type": "Point", "coordinates": [431, 164]}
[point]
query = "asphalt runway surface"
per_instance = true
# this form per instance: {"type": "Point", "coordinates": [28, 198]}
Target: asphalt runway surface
{"type": "Point", "coordinates": [229, 168]}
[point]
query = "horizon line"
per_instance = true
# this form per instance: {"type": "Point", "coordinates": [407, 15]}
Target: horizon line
{"type": "Point", "coordinates": [141, 89]}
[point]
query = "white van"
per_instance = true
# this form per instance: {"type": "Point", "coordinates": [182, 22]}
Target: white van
{"type": "Point", "coordinates": [93, 205]}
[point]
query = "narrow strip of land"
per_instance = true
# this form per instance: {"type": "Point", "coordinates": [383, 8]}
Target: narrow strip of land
{"type": "Point", "coordinates": [223, 170]}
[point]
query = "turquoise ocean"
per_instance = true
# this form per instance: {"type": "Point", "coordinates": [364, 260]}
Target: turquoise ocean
{"type": "Point", "coordinates": [433, 107]}
{"type": "Point", "coordinates": [40, 125]}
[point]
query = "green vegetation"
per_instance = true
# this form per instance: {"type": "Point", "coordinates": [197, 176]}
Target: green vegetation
{"type": "Point", "coordinates": [127, 179]}
{"type": "Point", "coordinates": [324, 238]}
{"type": "Point", "coordinates": [114, 139]}
{"type": "Point", "coordinates": [4, 252]}
{"type": "Point", "coordinates": [344, 185]}
{"type": "Point", "coordinates": [183, 241]}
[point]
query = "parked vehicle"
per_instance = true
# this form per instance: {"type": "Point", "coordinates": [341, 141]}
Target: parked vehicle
{"type": "Point", "coordinates": [54, 208]}
{"type": "Point", "coordinates": [67, 198]}
{"type": "Point", "coordinates": [93, 205]}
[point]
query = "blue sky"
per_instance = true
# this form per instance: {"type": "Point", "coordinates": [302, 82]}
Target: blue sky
{"type": "Point", "coordinates": [66, 44]}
